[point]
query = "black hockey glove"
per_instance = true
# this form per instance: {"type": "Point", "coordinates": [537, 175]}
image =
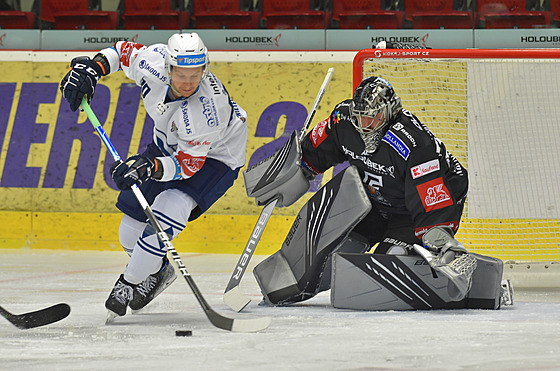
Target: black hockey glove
{"type": "Point", "coordinates": [79, 81]}
{"type": "Point", "coordinates": [136, 170]}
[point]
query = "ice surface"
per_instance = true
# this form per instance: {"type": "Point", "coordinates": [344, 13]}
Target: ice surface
{"type": "Point", "coordinates": [309, 336]}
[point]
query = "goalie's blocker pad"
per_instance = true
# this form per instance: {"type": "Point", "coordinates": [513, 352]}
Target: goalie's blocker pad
{"type": "Point", "coordinates": [395, 282]}
{"type": "Point", "coordinates": [278, 176]}
{"type": "Point", "coordinates": [294, 272]}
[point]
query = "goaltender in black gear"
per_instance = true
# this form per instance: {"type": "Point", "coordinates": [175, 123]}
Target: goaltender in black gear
{"type": "Point", "coordinates": [402, 197]}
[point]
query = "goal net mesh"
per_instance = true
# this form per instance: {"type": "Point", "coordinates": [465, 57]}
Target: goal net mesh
{"type": "Point", "coordinates": [501, 119]}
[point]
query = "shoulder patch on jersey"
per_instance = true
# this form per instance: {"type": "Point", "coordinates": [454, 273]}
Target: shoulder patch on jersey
{"type": "Point", "coordinates": [400, 127]}
{"type": "Point", "coordinates": [127, 49]}
{"type": "Point", "coordinates": [394, 141]}
{"type": "Point", "coordinates": [319, 133]}
{"type": "Point", "coordinates": [336, 117]}
{"type": "Point", "coordinates": [144, 65]}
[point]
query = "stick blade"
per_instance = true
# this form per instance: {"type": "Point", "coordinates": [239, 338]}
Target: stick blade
{"type": "Point", "coordinates": [235, 299]}
{"type": "Point", "coordinates": [238, 324]}
{"type": "Point", "coordinates": [250, 324]}
{"type": "Point", "coordinates": [38, 318]}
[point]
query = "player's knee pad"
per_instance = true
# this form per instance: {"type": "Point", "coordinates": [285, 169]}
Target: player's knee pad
{"type": "Point", "coordinates": [294, 272]}
{"type": "Point", "coordinates": [130, 230]}
{"type": "Point", "coordinates": [172, 208]}
{"type": "Point", "coordinates": [278, 176]}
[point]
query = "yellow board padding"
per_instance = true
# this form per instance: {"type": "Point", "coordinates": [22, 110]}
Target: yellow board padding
{"type": "Point", "coordinates": [225, 234]}
{"type": "Point", "coordinates": [228, 234]}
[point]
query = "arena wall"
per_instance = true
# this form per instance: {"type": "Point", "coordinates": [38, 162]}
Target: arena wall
{"type": "Point", "coordinates": [55, 187]}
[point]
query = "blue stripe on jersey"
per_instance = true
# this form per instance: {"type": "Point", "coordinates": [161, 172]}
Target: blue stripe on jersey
{"type": "Point", "coordinates": [159, 142]}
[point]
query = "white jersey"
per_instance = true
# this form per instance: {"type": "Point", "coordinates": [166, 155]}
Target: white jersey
{"type": "Point", "coordinates": [208, 124]}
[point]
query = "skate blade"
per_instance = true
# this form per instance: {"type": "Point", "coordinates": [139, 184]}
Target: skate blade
{"type": "Point", "coordinates": [110, 317]}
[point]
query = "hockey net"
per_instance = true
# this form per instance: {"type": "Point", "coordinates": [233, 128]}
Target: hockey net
{"type": "Point", "coordinates": [498, 112]}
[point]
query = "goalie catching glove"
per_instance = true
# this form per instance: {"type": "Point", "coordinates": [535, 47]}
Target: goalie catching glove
{"type": "Point", "coordinates": [446, 255]}
{"type": "Point", "coordinates": [82, 79]}
{"type": "Point", "coordinates": [136, 170]}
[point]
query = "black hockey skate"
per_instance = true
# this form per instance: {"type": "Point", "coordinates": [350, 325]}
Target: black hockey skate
{"type": "Point", "coordinates": [119, 298]}
{"type": "Point", "coordinates": [147, 290]}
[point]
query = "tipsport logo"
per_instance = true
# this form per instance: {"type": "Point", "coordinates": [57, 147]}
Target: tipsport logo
{"type": "Point", "coordinates": [191, 60]}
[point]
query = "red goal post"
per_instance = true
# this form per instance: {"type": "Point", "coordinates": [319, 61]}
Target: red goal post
{"type": "Point", "coordinates": [498, 111]}
{"type": "Point", "coordinates": [368, 54]}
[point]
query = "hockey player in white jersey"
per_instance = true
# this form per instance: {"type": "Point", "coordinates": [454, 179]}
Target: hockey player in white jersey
{"type": "Point", "coordinates": [199, 145]}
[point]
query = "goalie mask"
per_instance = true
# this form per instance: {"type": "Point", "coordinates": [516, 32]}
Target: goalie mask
{"type": "Point", "coordinates": [373, 107]}
{"type": "Point", "coordinates": [186, 50]}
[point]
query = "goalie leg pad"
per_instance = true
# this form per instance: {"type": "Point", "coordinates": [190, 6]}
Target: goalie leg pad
{"type": "Point", "coordinates": [486, 288]}
{"type": "Point", "coordinates": [354, 243]}
{"type": "Point", "coordinates": [389, 282]}
{"type": "Point", "coordinates": [294, 272]}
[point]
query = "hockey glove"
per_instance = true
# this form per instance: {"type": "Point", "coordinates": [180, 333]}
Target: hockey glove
{"type": "Point", "coordinates": [136, 170]}
{"type": "Point", "coordinates": [80, 80]}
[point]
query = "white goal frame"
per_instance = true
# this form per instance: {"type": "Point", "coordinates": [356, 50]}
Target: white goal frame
{"type": "Point", "coordinates": [498, 111]}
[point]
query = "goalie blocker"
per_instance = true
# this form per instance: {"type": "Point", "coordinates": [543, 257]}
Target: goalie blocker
{"type": "Point", "coordinates": [321, 232]}
{"type": "Point", "coordinates": [279, 176]}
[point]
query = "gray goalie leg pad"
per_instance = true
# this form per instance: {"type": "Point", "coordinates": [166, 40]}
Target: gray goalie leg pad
{"type": "Point", "coordinates": [354, 243]}
{"type": "Point", "coordinates": [278, 176]}
{"type": "Point", "coordinates": [294, 272]}
{"type": "Point", "coordinates": [389, 282]}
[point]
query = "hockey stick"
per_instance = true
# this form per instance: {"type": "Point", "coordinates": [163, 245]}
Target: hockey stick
{"type": "Point", "coordinates": [225, 323]}
{"type": "Point", "coordinates": [233, 297]}
{"type": "Point", "coordinates": [37, 318]}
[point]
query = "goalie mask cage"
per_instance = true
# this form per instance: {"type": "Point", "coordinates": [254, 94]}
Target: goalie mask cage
{"type": "Point", "coordinates": [498, 112]}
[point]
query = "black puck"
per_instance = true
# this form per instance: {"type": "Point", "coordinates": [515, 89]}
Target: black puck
{"type": "Point", "coordinates": [183, 333]}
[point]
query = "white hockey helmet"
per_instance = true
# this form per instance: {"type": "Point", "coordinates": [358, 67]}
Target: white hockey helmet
{"type": "Point", "coordinates": [376, 102]}
{"type": "Point", "coordinates": [186, 50]}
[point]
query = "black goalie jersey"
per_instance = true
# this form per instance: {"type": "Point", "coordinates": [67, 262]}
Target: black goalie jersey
{"type": "Point", "coordinates": [410, 173]}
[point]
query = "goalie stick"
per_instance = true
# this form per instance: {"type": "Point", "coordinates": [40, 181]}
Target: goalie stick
{"type": "Point", "coordinates": [225, 323]}
{"type": "Point", "coordinates": [233, 297]}
{"type": "Point", "coordinates": [37, 318]}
